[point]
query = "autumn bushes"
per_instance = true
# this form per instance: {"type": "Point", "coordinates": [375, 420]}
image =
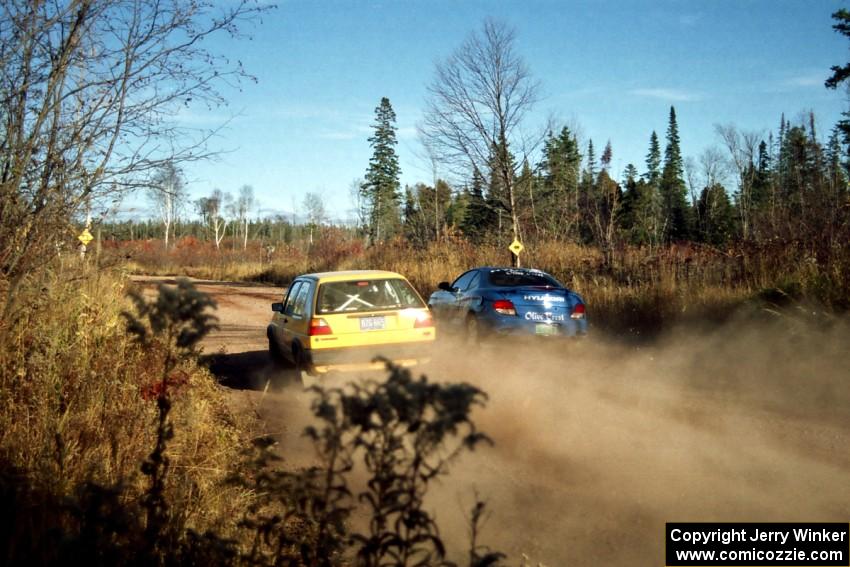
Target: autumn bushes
{"type": "Point", "coordinates": [637, 291]}
{"type": "Point", "coordinates": [78, 405]}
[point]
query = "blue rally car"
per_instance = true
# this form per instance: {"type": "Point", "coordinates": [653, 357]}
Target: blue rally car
{"type": "Point", "coordinates": [508, 302]}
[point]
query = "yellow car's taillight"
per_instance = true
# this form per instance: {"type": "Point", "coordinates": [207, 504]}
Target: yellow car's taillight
{"type": "Point", "coordinates": [319, 327]}
{"type": "Point", "coordinates": [423, 320]}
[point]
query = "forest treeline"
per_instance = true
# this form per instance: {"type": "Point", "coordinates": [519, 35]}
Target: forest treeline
{"type": "Point", "coordinates": [789, 186]}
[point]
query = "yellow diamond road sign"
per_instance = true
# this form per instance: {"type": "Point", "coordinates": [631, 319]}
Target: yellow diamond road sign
{"type": "Point", "coordinates": [85, 237]}
{"type": "Point", "coordinates": [516, 247]}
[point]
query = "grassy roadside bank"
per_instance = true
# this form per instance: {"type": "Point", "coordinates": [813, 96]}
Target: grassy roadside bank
{"type": "Point", "coordinates": [637, 294]}
{"type": "Point", "coordinates": [78, 408]}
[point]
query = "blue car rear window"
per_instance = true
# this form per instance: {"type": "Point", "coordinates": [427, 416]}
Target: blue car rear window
{"type": "Point", "coordinates": [519, 278]}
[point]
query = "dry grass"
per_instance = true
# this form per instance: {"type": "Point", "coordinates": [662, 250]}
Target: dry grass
{"type": "Point", "coordinates": [74, 409]}
{"type": "Point", "coordinates": [638, 293]}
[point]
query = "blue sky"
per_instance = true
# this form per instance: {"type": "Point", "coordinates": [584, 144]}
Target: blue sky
{"type": "Point", "coordinates": [611, 69]}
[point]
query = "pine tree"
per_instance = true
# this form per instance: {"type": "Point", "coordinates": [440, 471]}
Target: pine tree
{"type": "Point", "coordinates": [762, 196]}
{"type": "Point", "coordinates": [760, 192]}
{"type": "Point", "coordinates": [653, 160]}
{"type": "Point", "coordinates": [607, 155]}
{"type": "Point", "coordinates": [559, 174]}
{"type": "Point", "coordinates": [840, 75]}
{"type": "Point", "coordinates": [717, 218]}
{"type": "Point", "coordinates": [587, 194]}
{"type": "Point", "coordinates": [630, 174]}
{"type": "Point", "coordinates": [411, 221]}
{"type": "Point", "coordinates": [643, 207]}
{"type": "Point", "coordinates": [590, 169]}
{"type": "Point", "coordinates": [479, 217]}
{"type": "Point", "coordinates": [525, 187]}
{"type": "Point", "coordinates": [502, 195]}
{"type": "Point", "coordinates": [673, 189]}
{"type": "Point", "coordinates": [780, 167]}
{"type": "Point", "coordinates": [605, 201]}
{"type": "Point", "coordinates": [837, 171]}
{"type": "Point", "coordinates": [380, 190]}
{"type": "Point", "coordinates": [458, 208]}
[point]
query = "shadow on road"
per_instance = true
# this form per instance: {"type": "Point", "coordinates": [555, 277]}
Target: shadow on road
{"type": "Point", "coordinates": [249, 370]}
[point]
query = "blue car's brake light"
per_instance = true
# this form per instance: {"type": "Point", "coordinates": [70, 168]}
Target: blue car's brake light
{"type": "Point", "coordinates": [504, 307]}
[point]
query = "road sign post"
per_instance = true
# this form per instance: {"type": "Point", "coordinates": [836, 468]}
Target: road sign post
{"type": "Point", "coordinates": [85, 238]}
{"type": "Point", "coordinates": [516, 247]}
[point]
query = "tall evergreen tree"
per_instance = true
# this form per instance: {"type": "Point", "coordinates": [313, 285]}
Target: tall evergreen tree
{"type": "Point", "coordinates": [502, 196]}
{"type": "Point", "coordinates": [840, 74]}
{"type": "Point", "coordinates": [653, 160]}
{"type": "Point", "coordinates": [479, 217]}
{"type": "Point", "coordinates": [411, 217]}
{"type": "Point", "coordinates": [607, 155]}
{"type": "Point", "coordinates": [673, 189]}
{"type": "Point", "coordinates": [525, 185]}
{"type": "Point", "coordinates": [558, 196]}
{"type": "Point", "coordinates": [630, 174]}
{"type": "Point", "coordinates": [458, 207]}
{"type": "Point", "coordinates": [717, 218]}
{"type": "Point", "coordinates": [587, 195]}
{"type": "Point", "coordinates": [380, 189]}
{"type": "Point", "coordinates": [762, 194]}
{"type": "Point", "coordinates": [590, 168]}
{"type": "Point", "coordinates": [641, 217]}
{"type": "Point", "coordinates": [837, 172]}
{"type": "Point", "coordinates": [605, 204]}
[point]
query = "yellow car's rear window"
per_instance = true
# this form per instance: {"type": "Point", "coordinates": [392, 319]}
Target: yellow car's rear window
{"type": "Point", "coordinates": [366, 295]}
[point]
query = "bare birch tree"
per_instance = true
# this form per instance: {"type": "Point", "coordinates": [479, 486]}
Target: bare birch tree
{"type": "Point", "coordinates": [244, 204]}
{"type": "Point", "coordinates": [168, 194]}
{"type": "Point", "coordinates": [477, 103]}
{"type": "Point", "coordinates": [742, 148]}
{"type": "Point", "coordinates": [212, 210]}
{"type": "Point", "coordinates": [314, 208]}
{"type": "Point", "coordinates": [91, 94]}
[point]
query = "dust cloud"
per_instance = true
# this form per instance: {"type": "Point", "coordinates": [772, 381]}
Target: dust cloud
{"type": "Point", "coordinates": [599, 443]}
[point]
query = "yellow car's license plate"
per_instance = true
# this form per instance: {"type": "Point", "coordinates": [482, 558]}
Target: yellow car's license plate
{"type": "Point", "coordinates": [372, 323]}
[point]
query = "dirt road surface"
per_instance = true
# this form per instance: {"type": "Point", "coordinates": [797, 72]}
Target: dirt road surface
{"type": "Point", "coordinates": [597, 445]}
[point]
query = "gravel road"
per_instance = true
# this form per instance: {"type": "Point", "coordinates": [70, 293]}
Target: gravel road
{"type": "Point", "coordinates": [598, 445]}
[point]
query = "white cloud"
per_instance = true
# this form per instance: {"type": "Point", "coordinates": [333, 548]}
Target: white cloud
{"type": "Point", "coordinates": [809, 80]}
{"type": "Point", "coordinates": [674, 95]}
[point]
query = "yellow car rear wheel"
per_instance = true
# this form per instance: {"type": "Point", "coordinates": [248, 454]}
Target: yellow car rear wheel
{"type": "Point", "coordinates": [302, 369]}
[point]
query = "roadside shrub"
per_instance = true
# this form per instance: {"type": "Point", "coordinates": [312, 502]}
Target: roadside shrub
{"type": "Point", "coordinates": [402, 433]}
{"type": "Point", "coordinates": [77, 421]}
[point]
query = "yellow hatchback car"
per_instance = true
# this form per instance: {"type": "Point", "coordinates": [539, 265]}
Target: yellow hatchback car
{"type": "Point", "coordinates": [343, 320]}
